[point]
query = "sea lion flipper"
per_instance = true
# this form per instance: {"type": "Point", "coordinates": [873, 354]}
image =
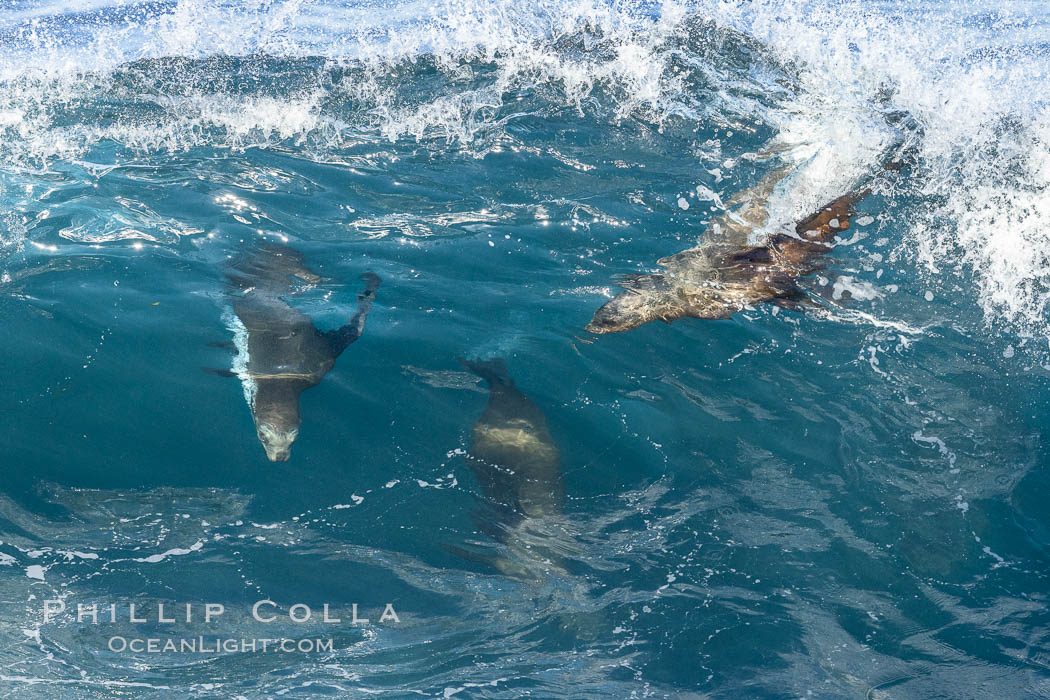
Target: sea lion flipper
{"type": "Point", "coordinates": [758, 255]}
{"type": "Point", "coordinates": [493, 370]}
{"type": "Point", "coordinates": [684, 257]}
{"type": "Point", "coordinates": [219, 372]}
{"type": "Point", "coordinates": [786, 294]}
{"type": "Point", "coordinates": [797, 302]}
{"type": "Point", "coordinates": [695, 312]}
{"type": "Point", "coordinates": [272, 267]}
{"type": "Point", "coordinates": [832, 218]}
{"type": "Point", "coordinates": [341, 337]}
{"type": "Point", "coordinates": [372, 283]}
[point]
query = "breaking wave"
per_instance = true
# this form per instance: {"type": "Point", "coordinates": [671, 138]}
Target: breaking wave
{"type": "Point", "coordinates": [829, 85]}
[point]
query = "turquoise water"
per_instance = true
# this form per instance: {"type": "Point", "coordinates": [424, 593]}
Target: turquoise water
{"type": "Point", "coordinates": [844, 502]}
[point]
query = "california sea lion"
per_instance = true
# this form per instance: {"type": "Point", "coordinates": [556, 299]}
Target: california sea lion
{"type": "Point", "coordinates": [718, 278]}
{"type": "Point", "coordinates": [518, 466]}
{"type": "Point", "coordinates": [280, 353]}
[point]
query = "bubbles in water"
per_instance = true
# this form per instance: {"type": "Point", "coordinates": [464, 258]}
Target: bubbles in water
{"type": "Point", "coordinates": [839, 82]}
{"type": "Point", "coordinates": [971, 103]}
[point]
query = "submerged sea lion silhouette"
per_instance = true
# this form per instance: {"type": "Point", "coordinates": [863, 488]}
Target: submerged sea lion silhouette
{"type": "Point", "coordinates": [718, 278]}
{"type": "Point", "coordinates": [280, 353]}
{"type": "Point", "coordinates": [518, 466]}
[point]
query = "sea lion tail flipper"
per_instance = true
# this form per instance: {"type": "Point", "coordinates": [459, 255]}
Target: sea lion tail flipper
{"type": "Point", "coordinates": [492, 370]}
{"type": "Point", "coordinates": [341, 337]}
{"type": "Point", "coordinates": [834, 217]}
{"type": "Point", "coordinates": [372, 283]}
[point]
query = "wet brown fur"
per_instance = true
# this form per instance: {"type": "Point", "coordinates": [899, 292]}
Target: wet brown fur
{"type": "Point", "coordinates": [716, 280]}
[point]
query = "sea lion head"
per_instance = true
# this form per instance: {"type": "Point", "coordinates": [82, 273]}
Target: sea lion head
{"type": "Point", "coordinates": [633, 308]}
{"type": "Point", "coordinates": [277, 423]}
{"type": "Point", "coordinates": [657, 298]}
{"type": "Point", "coordinates": [277, 441]}
{"type": "Point", "coordinates": [622, 313]}
{"type": "Point", "coordinates": [645, 298]}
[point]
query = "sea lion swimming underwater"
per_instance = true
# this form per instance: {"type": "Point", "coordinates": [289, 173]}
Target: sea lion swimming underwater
{"type": "Point", "coordinates": [724, 275]}
{"type": "Point", "coordinates": [280, 353]}
{"type": "Point", "coordinates": [518, 466]}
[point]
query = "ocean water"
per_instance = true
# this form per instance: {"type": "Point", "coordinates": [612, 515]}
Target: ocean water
{"type": "Point", "coordinates": [850, 501]}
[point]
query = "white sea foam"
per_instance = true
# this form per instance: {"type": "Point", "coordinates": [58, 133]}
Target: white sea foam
{"type": "Point", "coordinates": [174, 552]}
{"type": "Point", "coordinates": [964, 88]}
{"type": "Point", "coordinates": [972, 83]}
{"type": "Point", "coordinates": [625, 50]}
{"type": "Point", "coordinates": [857, 289]}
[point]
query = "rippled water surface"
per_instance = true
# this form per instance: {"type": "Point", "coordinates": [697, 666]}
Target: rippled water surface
{"type": "Point", "coordinates": [848, 501]}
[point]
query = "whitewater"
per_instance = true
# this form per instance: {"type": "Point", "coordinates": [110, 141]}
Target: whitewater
{"type": "Point", "coordinates": [840, 497]}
